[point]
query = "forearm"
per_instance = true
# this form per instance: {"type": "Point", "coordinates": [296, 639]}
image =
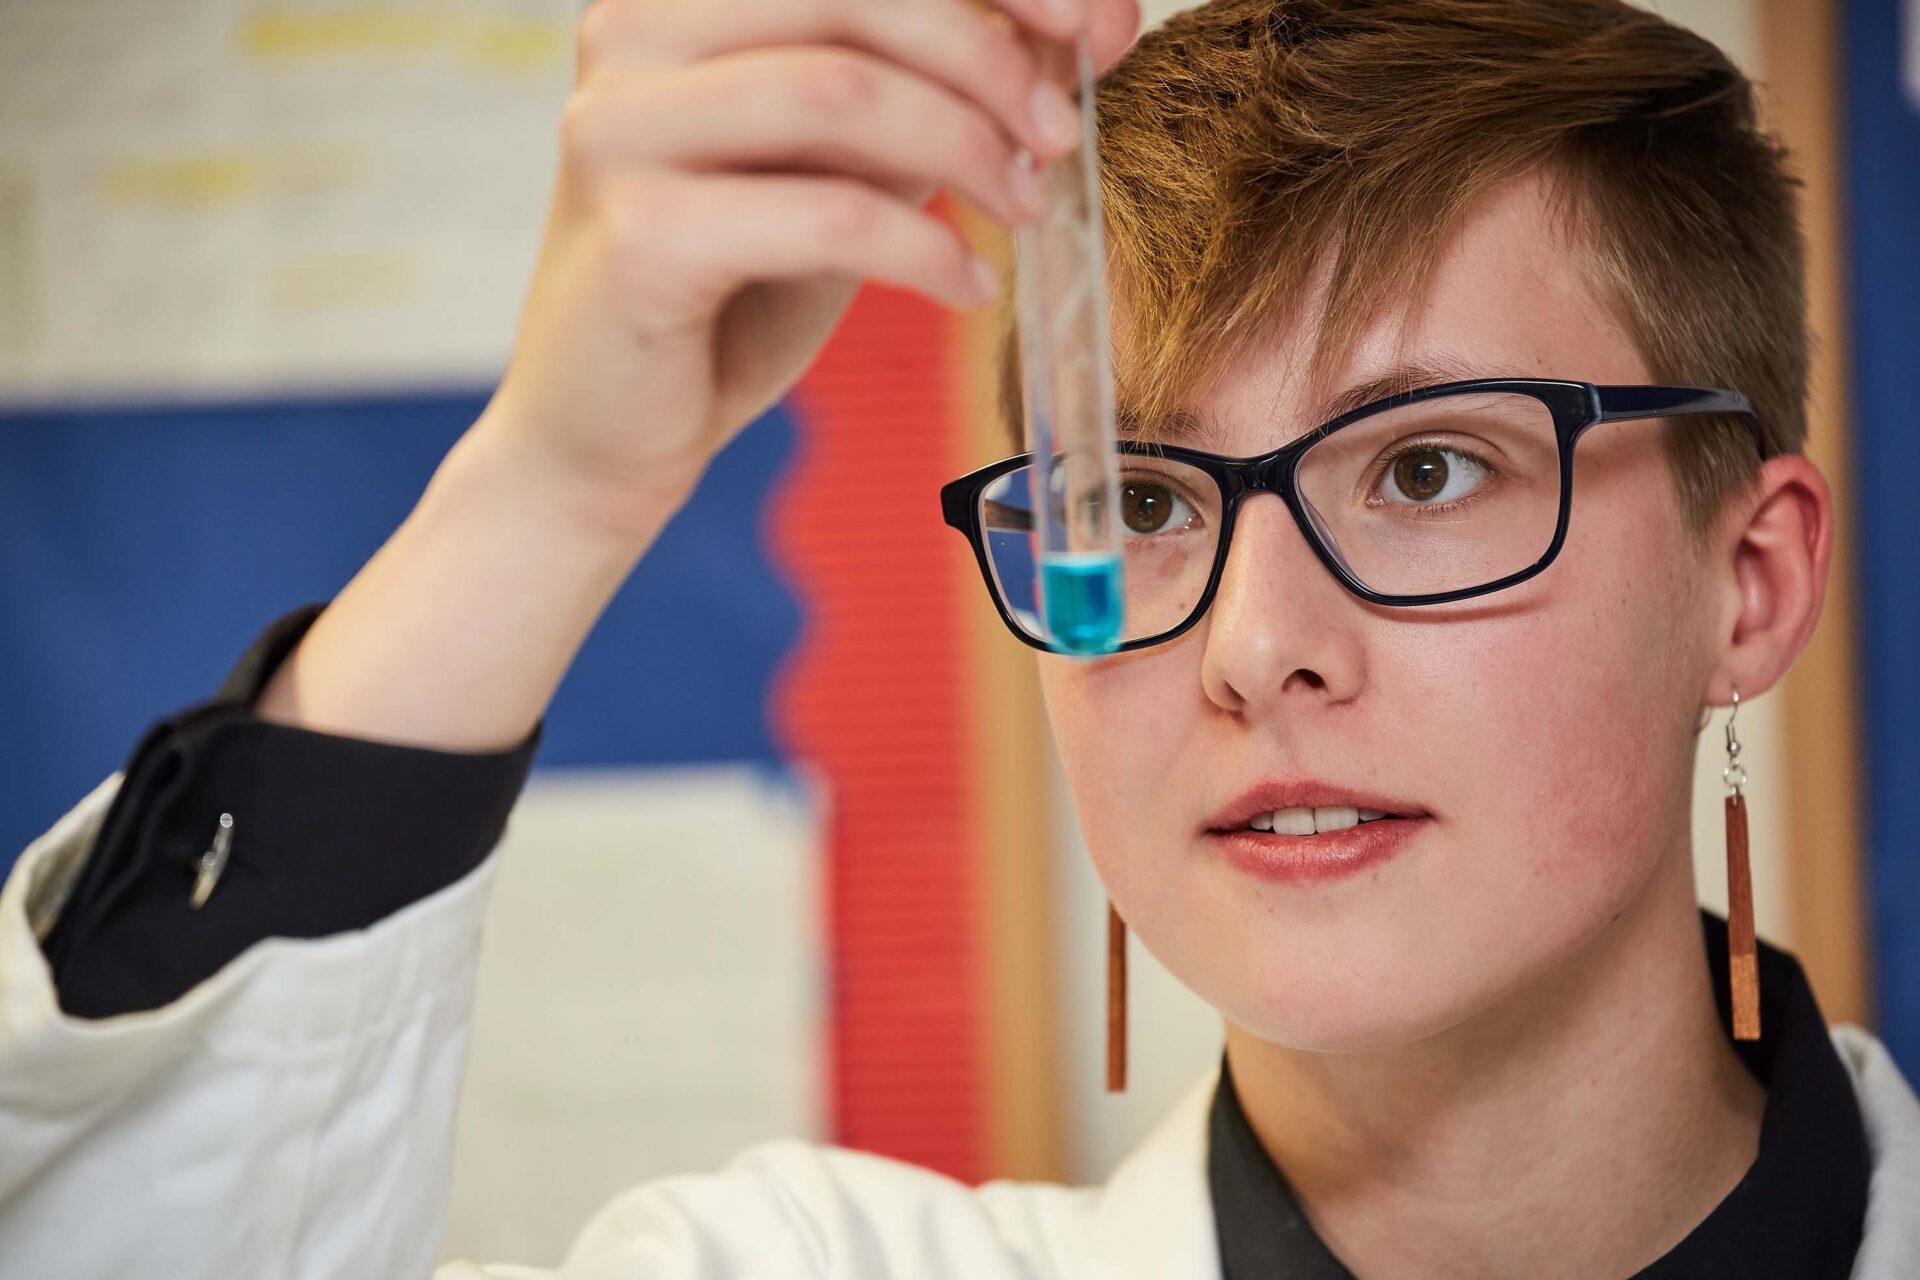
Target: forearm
{"type": "Point", "coordinates": [456, 634]}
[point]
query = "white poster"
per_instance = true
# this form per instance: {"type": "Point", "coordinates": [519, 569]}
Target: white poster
{"type": "Point", "coordinates": [651, 999]}
{"type": "Point", "coordinates": [231, 196]}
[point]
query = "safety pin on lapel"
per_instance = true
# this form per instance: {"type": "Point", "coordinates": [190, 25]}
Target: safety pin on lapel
{"type": "Point", "coordinates": [212, 863]}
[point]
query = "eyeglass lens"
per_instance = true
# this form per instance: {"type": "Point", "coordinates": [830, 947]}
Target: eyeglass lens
{"type": "Point", "coordinates": [1439, 495]}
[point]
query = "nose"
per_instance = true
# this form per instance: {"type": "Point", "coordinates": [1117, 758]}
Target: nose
{"type": "Point", "coordinates": [1280, 628]}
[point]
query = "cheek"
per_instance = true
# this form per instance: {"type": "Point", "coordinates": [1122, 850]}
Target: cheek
{"type": "Point", "coordinates": [1120, 726]}
{"type": "Point", "coordinates": [1594, 753]}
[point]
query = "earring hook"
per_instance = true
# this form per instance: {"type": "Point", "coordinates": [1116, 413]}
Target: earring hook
{"type": "Point", "coordinates": [1733, 766]}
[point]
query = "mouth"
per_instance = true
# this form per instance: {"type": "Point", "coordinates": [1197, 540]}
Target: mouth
{"type": "Point", "coordinates": [1305, 808]}
{"type": "Point", "coordinates": [1337, 836]}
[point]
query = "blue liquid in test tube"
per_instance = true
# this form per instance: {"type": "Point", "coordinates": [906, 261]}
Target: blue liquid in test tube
{"type": "Point", "coordinates": [1081, 591]}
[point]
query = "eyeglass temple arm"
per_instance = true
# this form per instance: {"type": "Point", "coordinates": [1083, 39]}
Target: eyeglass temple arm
{"type": "Point", "coordinates": [1618, 404]}
{"type": "Point", "coordinates": [1000, 516]}
{"type": "Point", "coordinates": [1622, 404]}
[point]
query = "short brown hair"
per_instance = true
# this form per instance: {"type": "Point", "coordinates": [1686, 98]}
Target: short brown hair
{"type": "Point", "coordinates": [1245, 141]}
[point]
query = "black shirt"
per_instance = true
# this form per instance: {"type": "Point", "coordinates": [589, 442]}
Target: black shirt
{"type": "Point", "coordinates": [1798, 1212]}
{"type": "Point", "coordinates": [329, 833]}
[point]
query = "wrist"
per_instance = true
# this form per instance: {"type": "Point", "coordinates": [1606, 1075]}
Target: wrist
{"type": "Point", "coordinates": [456, 633]}
{"type": "Point", "coordinates": [505, 469]}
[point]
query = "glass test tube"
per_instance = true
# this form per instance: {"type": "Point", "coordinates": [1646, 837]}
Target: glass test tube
{"type": "Point", "coordinates": [1060, 273]}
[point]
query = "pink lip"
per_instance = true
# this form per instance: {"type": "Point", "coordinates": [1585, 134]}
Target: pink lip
{"type": "Point", "coordinates": [1326, 856]}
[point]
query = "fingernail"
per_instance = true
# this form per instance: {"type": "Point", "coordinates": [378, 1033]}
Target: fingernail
{"type": "Point", "coordinates": [986, 281]}
{"type": "Point", "coordinates": [1055, 117]}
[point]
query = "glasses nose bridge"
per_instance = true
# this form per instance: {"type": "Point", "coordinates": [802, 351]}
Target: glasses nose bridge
{"type": "Point", "coordinates": [1277, 473]}
{"type": "Point", "coordinates": [1271, 473]}
{"type": "Point", "coordinates": [1274, 474]}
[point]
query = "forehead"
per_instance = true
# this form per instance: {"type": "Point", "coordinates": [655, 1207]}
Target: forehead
{"type": "Point", "coordinates": [1513, 294]}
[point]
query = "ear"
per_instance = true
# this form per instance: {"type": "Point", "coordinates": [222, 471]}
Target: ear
{"type": "Point", "coordinates": [1777, 544]}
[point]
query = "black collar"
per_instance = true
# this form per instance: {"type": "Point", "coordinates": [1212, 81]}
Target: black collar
{"type": "Point", "coordinates": [1797, 1212]}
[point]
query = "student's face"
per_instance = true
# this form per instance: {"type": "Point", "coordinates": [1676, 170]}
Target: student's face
{"type": "Point", "coordinates": [1546, 731]}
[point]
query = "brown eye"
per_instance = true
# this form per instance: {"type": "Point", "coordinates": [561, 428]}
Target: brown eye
{"type": "Point", "coordinates": [1421, 474]}
{"type": "Point", "coordinates": [1432, 475]}
{"type": "Point", "coordinates": [1145, 507]}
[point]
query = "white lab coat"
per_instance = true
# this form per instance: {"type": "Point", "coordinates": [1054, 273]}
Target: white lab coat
{"type": "Point", "coordinates": [293, 1115]}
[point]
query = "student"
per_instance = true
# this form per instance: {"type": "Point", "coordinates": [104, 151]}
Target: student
{"type": "Point", "coordinates": [1482, 1035]}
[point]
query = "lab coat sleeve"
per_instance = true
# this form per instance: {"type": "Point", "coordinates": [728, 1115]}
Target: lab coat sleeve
{"type": "Point", "coordinates": [291, 1116]}
{"type": "Point", "coordinates": [796, 1210]}
{"type": "Point", "coordinates": [742, 1222]}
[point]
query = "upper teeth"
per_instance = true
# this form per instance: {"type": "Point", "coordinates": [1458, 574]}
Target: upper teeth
{"type": "Point", "coordinates": [1302, 821]}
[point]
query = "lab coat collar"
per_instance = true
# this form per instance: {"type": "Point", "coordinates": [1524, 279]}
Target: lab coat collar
{"type": "Point", "coordinates": [1154, 1217]}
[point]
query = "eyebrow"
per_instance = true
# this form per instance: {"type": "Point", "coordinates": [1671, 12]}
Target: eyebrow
{"type": "Point", "coordinates": [1183, 426]}
{"type": "Point", "coordinates": [1413, 375]}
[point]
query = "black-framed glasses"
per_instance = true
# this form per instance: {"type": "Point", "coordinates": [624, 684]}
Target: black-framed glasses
{"type": "Point", "coordinates": [1430, 496]}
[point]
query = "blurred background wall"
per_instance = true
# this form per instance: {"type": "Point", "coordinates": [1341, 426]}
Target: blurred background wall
{"type": "Point", "coordinates": [796, 859]}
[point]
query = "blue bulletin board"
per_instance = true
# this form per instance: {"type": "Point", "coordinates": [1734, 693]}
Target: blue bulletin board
{"type": "Point", "coordinates": [1883, 214]}
{"type": "Point", "coordinates": [143, 547]}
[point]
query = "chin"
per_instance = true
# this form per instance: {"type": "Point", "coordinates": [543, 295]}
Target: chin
{"type": "Point", "coordinates": [1365, 992]}
{"type": "Point", "coordinates": [1354, 998]}
{"type": "Point", "coordinates": [1333, 1018]}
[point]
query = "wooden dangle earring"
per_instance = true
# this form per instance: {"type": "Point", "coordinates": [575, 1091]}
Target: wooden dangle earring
{"type": "Point", "coordinates": [1743, 964]}
{"type": "Point", "coordinates": [1116, 1000]}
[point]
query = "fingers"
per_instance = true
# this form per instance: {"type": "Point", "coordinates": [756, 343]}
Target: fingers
{"type": "Point", "coordinates": [948, 41]}
{"type": "Point", "coordinates": [810, 110]}
{"type": "Point", "coordinates": [685, 243]}
{"type": "Point", "coordinates": [714, 145]}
